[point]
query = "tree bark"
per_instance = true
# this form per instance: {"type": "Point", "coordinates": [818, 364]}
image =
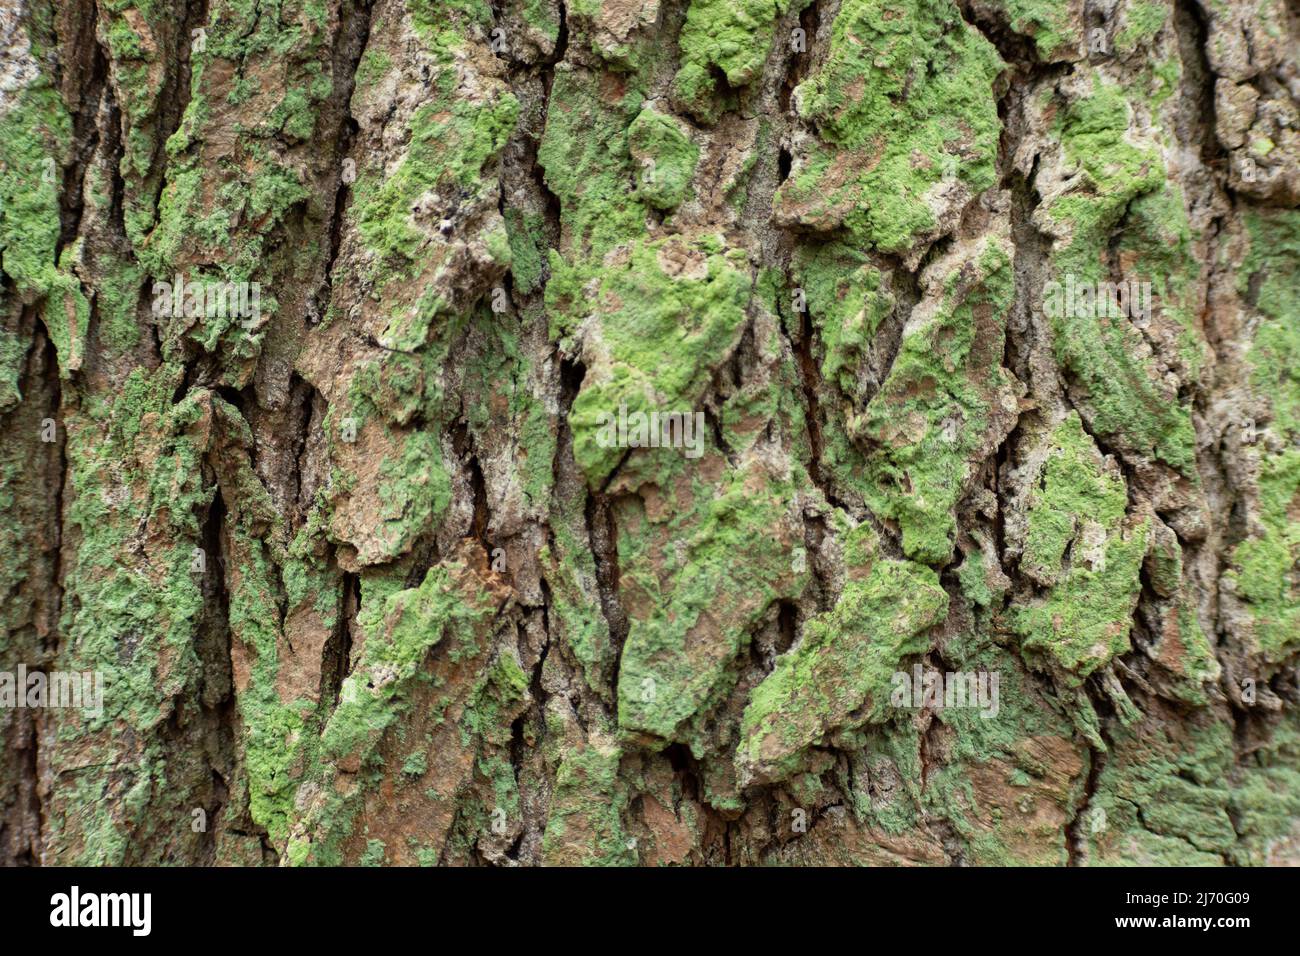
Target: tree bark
{"type": "Point", "coordinates": [651, 431]}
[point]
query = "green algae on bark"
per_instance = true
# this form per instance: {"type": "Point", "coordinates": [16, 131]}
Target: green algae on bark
{"type": "Point", "coordinates": [1078, 503]}
{"type": "Point", "coordinates": [841, 674]}
{"type": "Point", "coordinates": [1264, 572]}
{"type": "Point", "coordinates": [689, 616]}
{"type": "Point", "coordinates": [1122, 395]}
{"type": "Point", "coordinates": [946, 401]}
{"type": "Point", "coordinates": [368, 587]}
{"type": "Point", "coordinates": [895, 145]}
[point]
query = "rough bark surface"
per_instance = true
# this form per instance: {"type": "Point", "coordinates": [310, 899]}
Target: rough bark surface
{"type": "Point", "coordinates": [365, 584]}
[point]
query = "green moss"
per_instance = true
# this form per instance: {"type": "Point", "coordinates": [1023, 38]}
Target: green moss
{"type": "Point", "coordinates": [399, 681]}
{"type": "Point", "coordinates": [1265, 798]}
{"type": "Point", "coordinates": [1025, 713]}
{"type": "Point", "coordinates": [452, 141]}
{"type": "Point", "coordinates": [1158, 239]}
{"type": "Point", "coordinates": [937, 408]}
{"type": "Point", "coordinates": [431, 16]}
{"type": "Point", "coordinates": [1164, 796]}
{"type": "Point", "coordinates": [416, 764]}
{"type": "Point", "coordinates": [230, 208]}
{"type": "Point", "coordinates": [1142, 20]}
{"type": "Point", "coordinates": [295, 115]}
{"type": "Point", "coordinates": [1190, 656]}
{"type": "Point", "coordinates": [844, 295]}
{"type": "Point", "coordinates": [663, 334]}
{"type": "Point", "coordinates": [902, 102]}
{"type": "Point", "coordinates": [526, 242]}
{"type": "Point", "coordinates": [138, 439]}
{"type": "Point", "coordinates": [13, 356]}
{"type": "Point", "coordinates": [542, 17]}
{"type": "Point", "coordinates": [117, 301]}
{"type": "Point", "coordinates": [1073, 490]}
{"type": "Point", "coordinates": [1021, 749]}
{"type": "Point", "coordinates": [1266, 566]}
{"type": "Point", "coordinates": [727, 37]}
{"type": "Point", "coordinates": [667, 158]}
{"type": "Point", "coordinates": [579, 625]}
{"type": "Point", "coordinates": [139, 80]}
{"type": "Point", "coordinates": [373, 66]}
{"type": "Point", "coordinates": [279, 736]}
{"type": "Point", "coordinates": [134, 606]}
{"type": "Point", "coordinates": [401, 627]}
{"type": "Point", "coordinates": [374, 855]}
{"type": "Point", "coordinates": [34, 137]}
{"type": "Point", "coordinates": [584, 155]}
{"type": "Point", "coordinates": [1084, 620]}
{"type": "Point", "coordinates": [414, 491]}
{"type": "Point", "coordinates": [1103, 353]}
{"type": "Point", "coordinates": [839, 674]}
{"type": "Point", "coordinates": [501, 390]}
{"type": "Point", "coordinates": [1049, 22]}
{"type": "Point", "coordinates": [585, 823]}
{"type": "Point", "coordinates": [974, 575]}
{"type": "Point", "coordinates": [689, 614]}
{"type": "Point", "coordinates": [491, 709]}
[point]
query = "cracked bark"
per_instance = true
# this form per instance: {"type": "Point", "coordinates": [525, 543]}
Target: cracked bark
{"type": "Point", "coordinates": [437, 622]}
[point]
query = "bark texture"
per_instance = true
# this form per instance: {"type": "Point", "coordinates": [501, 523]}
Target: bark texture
{"type": "Point", "coordinates": [364, 580]}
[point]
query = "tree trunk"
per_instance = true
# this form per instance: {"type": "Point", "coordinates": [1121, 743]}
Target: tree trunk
{"type": "Point", "coordinates": [649, 431]}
